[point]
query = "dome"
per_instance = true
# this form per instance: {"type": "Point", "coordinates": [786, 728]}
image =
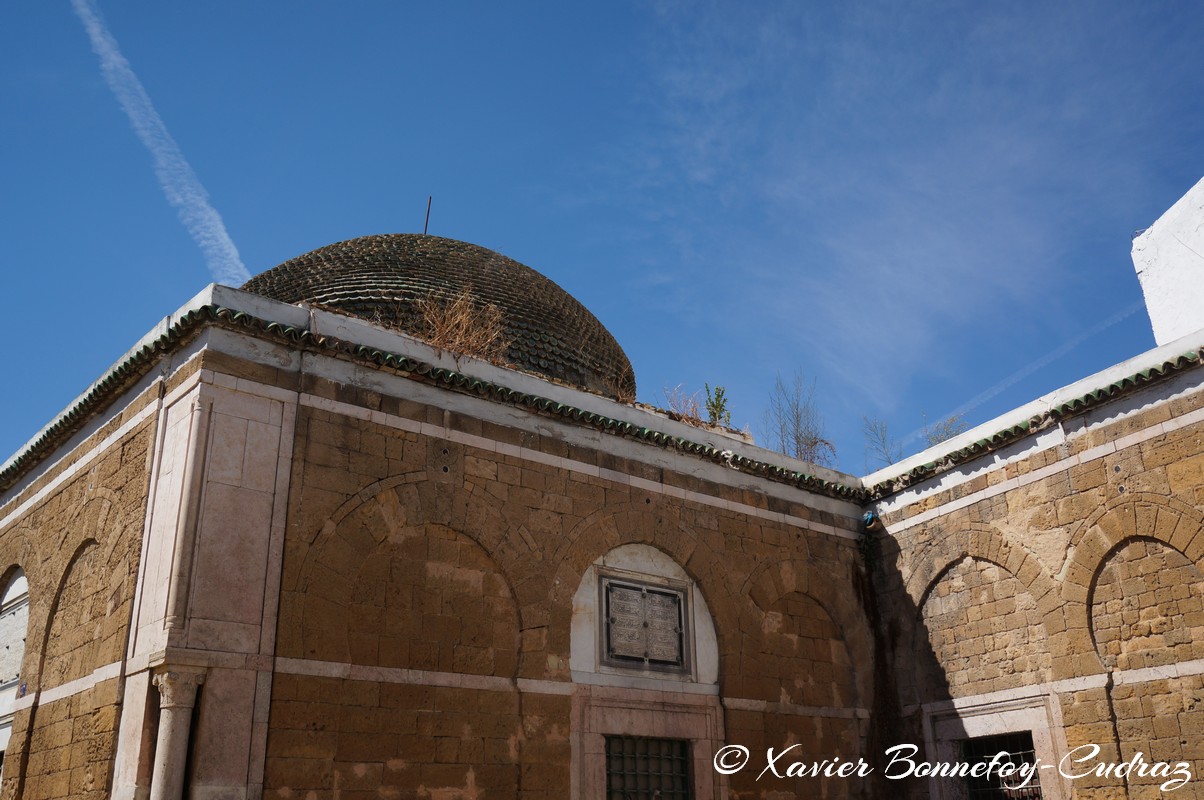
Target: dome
{"type": "Point", "coordinates": [382, 279]}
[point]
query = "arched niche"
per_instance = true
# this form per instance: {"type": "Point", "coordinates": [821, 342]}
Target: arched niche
{"type": "Point", "coordinates": [639, 565]}
{"type": "Point", "coordinates": [14, 624]}
{"type": "Point", "coordinates": [622, 703]}
{"type": "Point", "coordinates": [1147, 606]}
{"type": "Point", "coordinates": [980, 631]}
{"type": "Point", "coordinates": [424, 597]}
{"type": "Point", "coordinates": [803, 653]}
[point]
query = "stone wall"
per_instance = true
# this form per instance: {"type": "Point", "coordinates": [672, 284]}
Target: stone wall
{"type": "Point", "coordinates": [422, 639]}
{"type": "Point", "coordinates": [76, 534]}
{"type": "Point", "coordinates": [441, 561]}
{"type": "Point", "coordinates": [1060, 581]}
{"type": "Point", "coordinates": [426, 613]}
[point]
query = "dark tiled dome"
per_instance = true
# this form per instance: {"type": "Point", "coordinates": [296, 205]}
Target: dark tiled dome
{"type": "Point", "coordinates": [382, 278]}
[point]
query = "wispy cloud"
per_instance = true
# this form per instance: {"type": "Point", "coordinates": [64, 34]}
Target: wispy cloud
{"type": "Point", "coordinates": [898, 199]}
{"type": "Point", "coordinates": [180, 184]}
{"type": "Point", "coordinates": [1033, 366]}
{"type": "Point", "coordinates": [900, 174]}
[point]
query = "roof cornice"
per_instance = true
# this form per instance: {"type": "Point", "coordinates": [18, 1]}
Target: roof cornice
{"type": "Point", "coordinates": [140, 361]}
{"type": "Point", "coordinates": [1062, 410]}
{"type": "Point", "coordinates": [178, 329]}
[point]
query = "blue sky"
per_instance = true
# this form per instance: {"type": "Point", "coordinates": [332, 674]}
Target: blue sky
{"type": "Point", "coordinates": [913, 204]}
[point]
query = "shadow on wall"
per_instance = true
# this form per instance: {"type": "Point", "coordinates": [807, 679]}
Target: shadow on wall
{"type": "Point", "coordinates": [957, 624]}
{"type": "Point", "coordinates": [1095, 659]}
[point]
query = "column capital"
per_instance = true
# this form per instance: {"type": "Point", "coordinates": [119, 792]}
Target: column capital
{"type": "Point", "coordinates": [177, 687]}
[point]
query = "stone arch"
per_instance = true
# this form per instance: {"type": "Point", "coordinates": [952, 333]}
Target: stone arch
{"type": "Point", "coordinates": [81, 572]}
{"type": "Point", "coordinates": [117, 534]}
{"type": "Point", "coordinates": [411, 499]}
{"type": "Point", "coordinates": [773, 584]}
{"type": "Point", "coordinates": [407, 577]}
{"type": "Point", "coordinates": [1120, 519]}
{"type": "Point", "coordinates": [14, 623]}
{"type": "Point", "coordinates": [17, 549]}
{"type": "Point", "coordinates": [646, 564]}
{"type": "Point", "coordinates": [435, 501]}
{"type": "Point", "coordinates": [89, 518]}
{"type": "Point", "coordinates": [14, 631]}
{"type": "Point", "coordinates": [66, 641]}
{"type": "Point", "coordinates": [11, 573]}
{"type": "Point", "coordinates": [1144, 604]}
{"type": "Point", "coordinates": [977, 629]}
{"type": "Point", "coordinates": [627, 523]}
{"type": "Point", "coordinates": [985, 543]}
{"type": "Point", "coordinates": [980, 543]}
{"type": "Point", "coordinates": [75, 589]}
{"type": "Point", "coordinates": [1142, 514]}
{"type": "Point", "coordinates": [46, 553]}
{"type": "Point", "coordinates": [392, 579]}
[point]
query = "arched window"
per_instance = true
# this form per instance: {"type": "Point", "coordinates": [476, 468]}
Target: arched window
{"type": "Point", "coordinates": [14, 619]}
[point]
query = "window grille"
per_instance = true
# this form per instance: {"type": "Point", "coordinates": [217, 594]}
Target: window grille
{"type": "Point", "coordinates": [1019, 749]}
{"type": "Point", "coordinates": [641, 768]}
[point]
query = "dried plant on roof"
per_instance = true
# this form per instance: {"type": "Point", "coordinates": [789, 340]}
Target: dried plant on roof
{"type": "Point", "coordinates": [684, 406]}
{"type": "Point", "coordinates": [461, 323]}
{"type": "Point", "coordinates": [618, 387]}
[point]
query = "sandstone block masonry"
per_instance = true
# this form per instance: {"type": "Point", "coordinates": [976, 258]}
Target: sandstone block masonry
{"type": "Point", "coordinates": [76, 536]}
{"type": "Point", "coordinates": [1059, 588]}
{"type": "Point", "coordinates": [282, 560]}
{"type": "Point", "coordinates": [417, 558]}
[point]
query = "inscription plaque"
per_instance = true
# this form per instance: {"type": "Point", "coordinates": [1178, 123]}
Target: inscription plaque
{"type": "Point", "coordinates": [626, 622]}
{"type": "Point", "coordinates": [664, 631]}
{"type": "Point", "coordinates": [644, 624]}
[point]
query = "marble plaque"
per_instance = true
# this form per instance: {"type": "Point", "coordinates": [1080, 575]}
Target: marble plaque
{"type": "Point", "coordinates": [643, 624]}
{"type": "Point", "coordinates": [626, 608]}
{"type": "Point", "coordinates": [663, 615]}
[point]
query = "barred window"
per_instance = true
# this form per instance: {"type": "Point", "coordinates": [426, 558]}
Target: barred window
{"type": "Point", "coordinates": [1019, 749]}
{"type": "Point", "coordinates": [642, 768]}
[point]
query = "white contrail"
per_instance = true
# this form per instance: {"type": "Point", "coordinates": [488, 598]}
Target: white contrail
{"type": "Point", "coordinates": [1033, 366]}
{"type": "Point", "coordinates": [179, 182]}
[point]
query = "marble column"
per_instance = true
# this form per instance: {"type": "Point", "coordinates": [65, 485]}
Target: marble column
{"type": "Point", "coordinates": [177, 696]}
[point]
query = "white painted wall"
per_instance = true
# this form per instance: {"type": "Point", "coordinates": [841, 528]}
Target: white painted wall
{"type": "Point", "coordinates": [1169, 258]}
{"type": "Point", "coordinates": [14, 620]}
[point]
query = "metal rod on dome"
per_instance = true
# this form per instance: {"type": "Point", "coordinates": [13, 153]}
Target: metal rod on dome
{"type": "Point", "coordinates": [428, 215]}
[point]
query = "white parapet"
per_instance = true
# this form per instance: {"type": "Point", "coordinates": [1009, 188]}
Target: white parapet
{"type": "Point", "coordinates": [1169, 257]}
